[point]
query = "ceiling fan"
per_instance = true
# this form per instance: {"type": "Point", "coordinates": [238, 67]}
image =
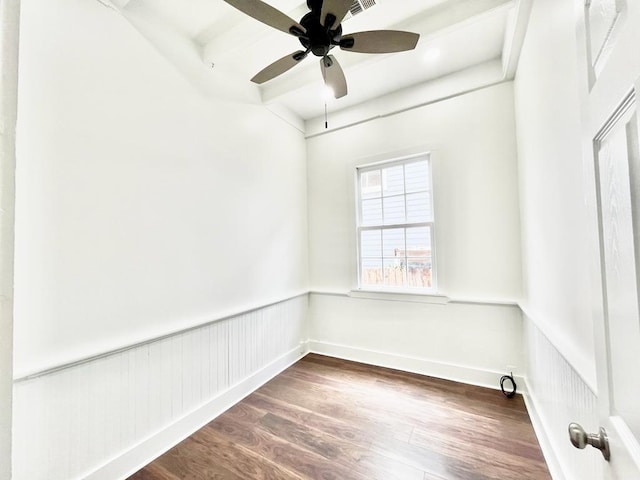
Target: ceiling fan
{"type": "Point", "coordinates": [319, 31]}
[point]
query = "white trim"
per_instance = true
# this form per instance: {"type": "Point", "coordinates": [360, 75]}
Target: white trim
{"type": "Point", "coordinates": [391, 160]}
{"type": "Point", "coordinates": [494, 302]}
{"type": "Point", "coordinates": [400, 296]}
{"type": "Point", "coordinates": [540, 426]}
{"type": "Point", "coordinates": [402, 110]}
{"type": "Point", "coordinates": [22, 376]}
{"type": "Point", "coordinates": [146, 451]}
{"type": "Point", "coordinates": [422, 366]}
{"type": "Point", "coordinates": [388, 162]}
{"type": "Point", "coordinates": [435, 298]}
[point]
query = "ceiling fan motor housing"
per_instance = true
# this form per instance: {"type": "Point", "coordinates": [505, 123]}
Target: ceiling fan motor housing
{"type": "Point", "coordinates": [314, 5]}
{"type": "Point", "coordinates": [319, 39]}
{"type": "Point", "coordinates": [319, 31]}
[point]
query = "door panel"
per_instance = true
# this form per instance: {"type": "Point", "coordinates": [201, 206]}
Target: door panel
{"type": "Point", "coordinates": [611, 115]}
{"type": "Point", "coordinates": [617, 168]}
{"type": "Point", "coordinates": [603, 19]}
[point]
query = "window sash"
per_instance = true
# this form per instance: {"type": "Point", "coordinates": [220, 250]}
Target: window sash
{"type": "Point", "coordinates": [382, 226]}
{"type": "Point", "coordinates": [405, 258]}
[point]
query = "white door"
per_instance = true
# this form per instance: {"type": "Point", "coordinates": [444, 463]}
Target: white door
{"type": "Point", "coordinates": [618, 186]}
{"type": "Point", "coordinates": [613, 41]}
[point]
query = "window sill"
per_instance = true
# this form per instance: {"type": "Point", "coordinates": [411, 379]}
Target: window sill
{"type": "Point", "coordinates": [433, 298]}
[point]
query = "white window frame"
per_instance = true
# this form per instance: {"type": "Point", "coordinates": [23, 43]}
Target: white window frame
{"type": "Point", "coordinates": [360, 169]}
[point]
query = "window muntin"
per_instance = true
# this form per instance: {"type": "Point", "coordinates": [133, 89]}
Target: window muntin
{"type": "Point", "coordinates": [395, 226]}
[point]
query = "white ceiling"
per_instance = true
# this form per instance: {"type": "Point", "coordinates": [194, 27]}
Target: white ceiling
{"type": "Point", "coordinates": [220, 49]}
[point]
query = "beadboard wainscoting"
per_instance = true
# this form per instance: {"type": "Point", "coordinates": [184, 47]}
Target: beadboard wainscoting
{"type": "Point", "coordinates": [557, 395]}
{"type": "Point", "coordinates": [104, 418]}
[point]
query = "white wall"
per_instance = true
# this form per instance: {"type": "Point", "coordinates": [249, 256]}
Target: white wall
{"type": "Point", "coordinates": [472, 141]}
{"type": "Point", "coordinates": [9, 35]}
{"type": "Point", "coordinates": [559, 233]}
{"type": "Point", "coordinates": [142, 206]}
{"type": "Point", "coordinates": [550, 93]}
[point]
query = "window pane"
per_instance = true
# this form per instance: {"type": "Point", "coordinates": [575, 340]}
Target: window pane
{"type": "Point", "coordinates": [371, 272]}
{"type": "Point", "coordinates": [394, 251]}
{"type": "Point", "coordinates": [371, 243]}
{"type": "Point", "coordinates": [419, 242]}
{"type": "Point", "coordinates": [394, 210]}
{"type": "Point", "coordinates": [393, 243]}
{"type": "Point", "coordinates": [419, 207]}
{"type": "Point", "coordinates": [393, 181]}
{"type": "Point", "coordinates": [371, 184]}
{"type": "Point", "coordinates": [419, 272]}
{"type": "Point", "coordinates": [394, 273]}
{"type": "Point", "coordinates": [417, 176]}
{"type": "Point", "coordinates": [372, 212]}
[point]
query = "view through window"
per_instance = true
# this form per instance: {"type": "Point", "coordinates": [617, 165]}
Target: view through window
{"type": "Point", "coordinates": [396, 226]}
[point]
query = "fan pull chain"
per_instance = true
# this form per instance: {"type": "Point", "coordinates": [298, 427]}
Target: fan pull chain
{"type": "Point", "coordinates": [326, 116]}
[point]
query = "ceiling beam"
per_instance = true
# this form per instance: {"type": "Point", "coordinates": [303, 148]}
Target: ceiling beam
{"type": "Point", "coordinates": [514, 39]}
{"type": "Point", "coordinates": [184, 55]}
{"type": "Point", "coordinates": [244, 34]}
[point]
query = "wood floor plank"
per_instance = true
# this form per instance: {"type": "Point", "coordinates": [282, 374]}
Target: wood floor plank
{"type": "Point", "coordinates": [357, 433]}
{"type": "Point", "coordinates": [304, 462]}
{"type": "Point", "coordinates": [413, 386]}
{"type": "Point", "coordinates": [364, 461]}
{"type": "Point", "coordinates": [331, 419]}
{"type": "Point", "coordinates": [153, 471]}
{"type": "Point", "coordinates": [492, 462]}
{"type": "Point", "coordinates": [365, 406]}
{"type": "Point", "coordinates": [335, 405]}
{"type": "Point", "coordinates": [431, 410]}
{"type": "Point", "coordinates": [436, 465]}
{"type": "Point", "coordinates": [191, 460]}
{"type": "Point", "coordinates": [243, 462]}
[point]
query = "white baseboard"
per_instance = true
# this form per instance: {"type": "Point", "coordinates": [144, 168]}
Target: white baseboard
{"type": "Point", "coordinates": [432, 368]}
{"type": "Point", "coordinates": [539, 426]}
{"type": "Point", "coordinates": [137, 457]}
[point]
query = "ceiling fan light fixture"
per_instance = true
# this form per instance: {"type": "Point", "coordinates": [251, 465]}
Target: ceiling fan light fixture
{"type": "Point", "coordinates": [319, 31]}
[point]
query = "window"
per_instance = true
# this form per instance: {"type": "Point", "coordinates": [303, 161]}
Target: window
{"type": "Point", "coordinates": [395, 226]}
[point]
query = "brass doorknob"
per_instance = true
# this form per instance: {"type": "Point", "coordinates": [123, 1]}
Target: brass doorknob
{"type": "Point", "coordinates": [580, 439]}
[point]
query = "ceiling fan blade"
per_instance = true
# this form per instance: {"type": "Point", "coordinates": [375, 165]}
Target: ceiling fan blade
{"type": "Point", "coordinates": [333, 76]}
{"type": "Point", "coordinates": [269, 15]}
{"type": "Point", "coordinates": [379, 41]}
{"type": "Point", "coordinates": [336, 9]}
{"type": "Point", "coordinates": [279, 67]}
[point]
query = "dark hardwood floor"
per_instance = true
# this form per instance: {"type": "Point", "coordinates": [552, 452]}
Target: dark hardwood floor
{"type": "Point", "coordinates": [325, 419]}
